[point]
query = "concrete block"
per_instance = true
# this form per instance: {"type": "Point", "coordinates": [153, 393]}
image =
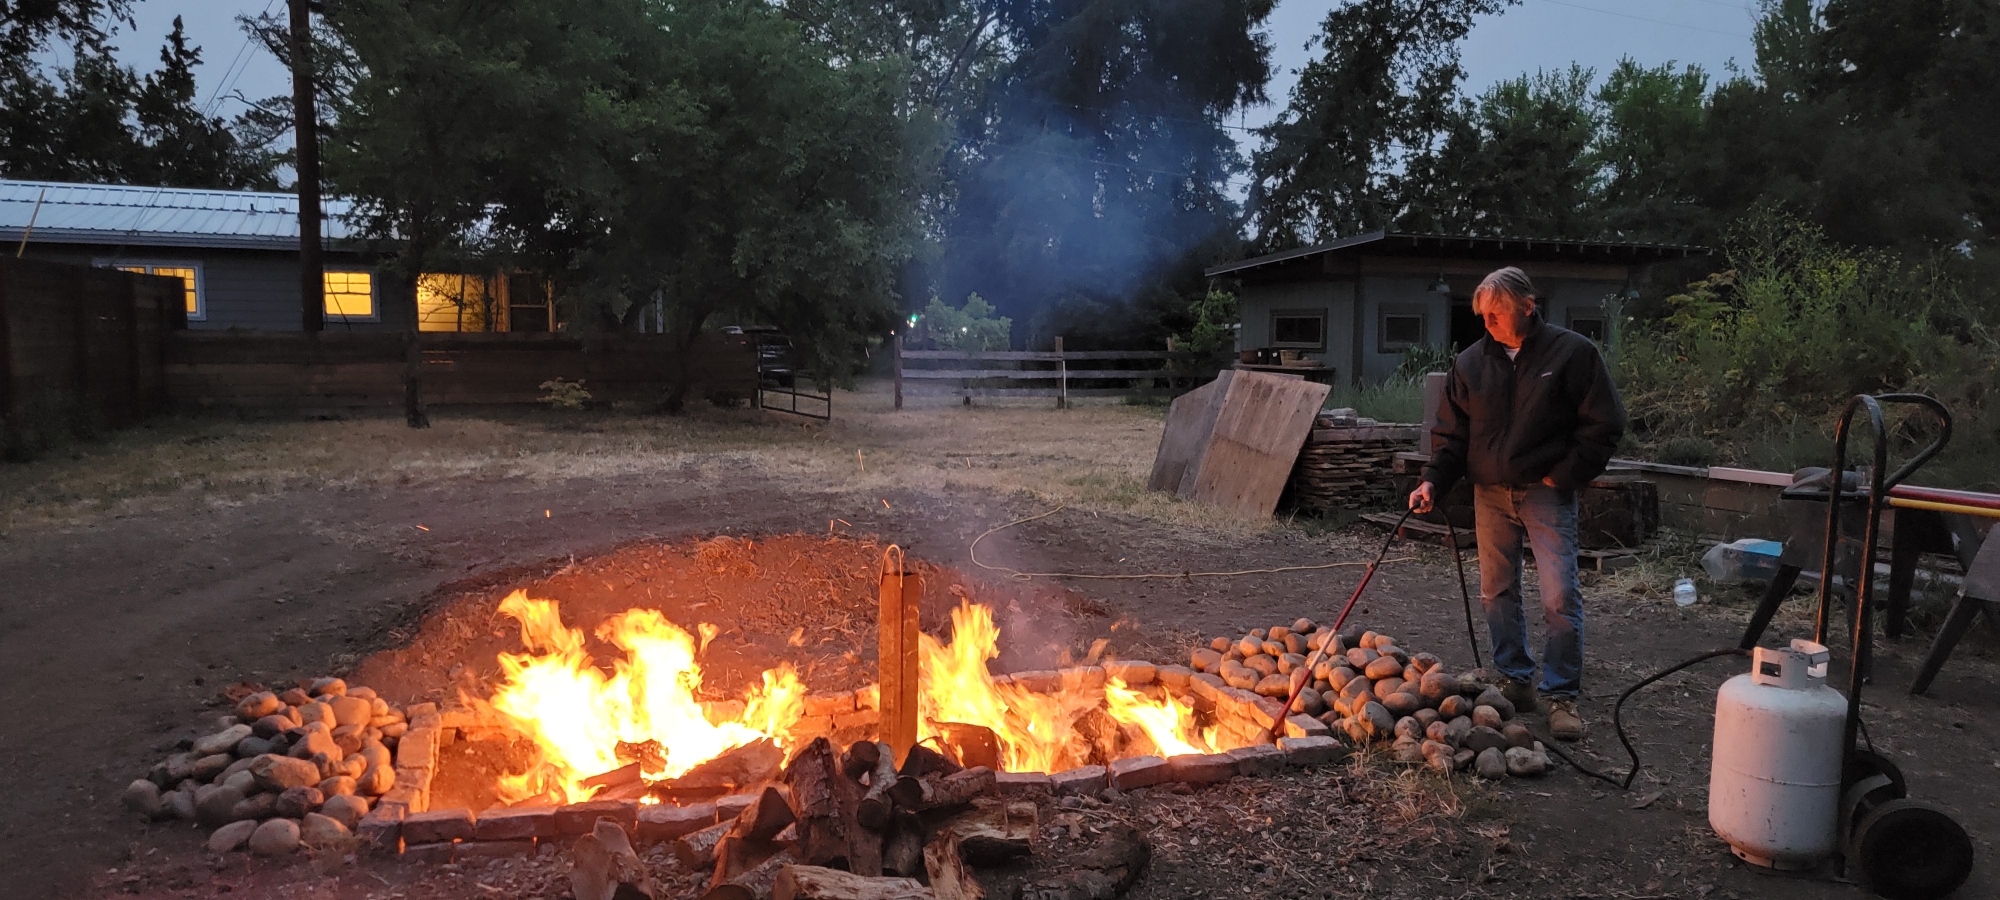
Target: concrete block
{"type": "Point", "coordinates": [1140, 771]}
{"type": "Point", "coordinates": [515, 824]}
{"type": "Point", "coordinates": [1082, 678]}
{"type": "Point", "coordinates": [1202, 768]}
{"type": "Point", "coordinates": [1132, 673]}
{"type": "Point", "coordinates": [381, 830]}
{"type": "Point", "coordinates": [1025, 784]}
{"type": "Point", "coordinates": [1312, 751]}
{"type": "Point", "coordinates": [1259, 760]}
{"type": "Point", "coordinates": [493, 849]}
{"type": "Point", "coordinates": [436, 854]}
{"type": "Point", "coordinates": [580, 818]}
{"type": "Point", "coordinates": [829, 704]}
{"type": "Point", "coordinates": [1086, 780]}
{"type": "Point", "coordinates": [438, 825]}
{"type": "Point", "coordinates": [1302, 725]}
{"type": "Point", "coordinates": [1176, 678]}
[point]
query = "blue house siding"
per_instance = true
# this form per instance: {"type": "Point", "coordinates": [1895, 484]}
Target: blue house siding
{"type": "Point", "coordinates": [254, 290]}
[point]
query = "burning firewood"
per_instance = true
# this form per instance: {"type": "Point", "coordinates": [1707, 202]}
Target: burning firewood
{"type": "Point", "coordinates": [924, 760]}
{"type": "Point", "coordinates": [750, 764]}
{"type": "Point", "coordinates": [993, 831]}
{"type": "Point", "coordinates": [605, 866]}
{"type": "Point", "coordinates": [933, 792]}
{"type": "Point", "coordinates": [816, 883]}
{"type": "Point", "coordinates": [619, 777]}
{"type": "Point", "coordinates": [976, 745]}
{"type": "Point", "coordinates": [950, 880]}
{"type": "Point", "coordinates": [1106, 870]}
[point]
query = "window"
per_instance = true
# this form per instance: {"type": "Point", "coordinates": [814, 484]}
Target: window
{"type": "Point", "coordinates": [452, 302]}
{"type": "Point", "coordinates": [189, 274]}
{"type": "Point", "coordinates": [1588, 324]}
{"type": "Point", "coordinates": [1400, 329]}
{"type": "Point", "coordinates": [350, 296]}
{"type": "Point", "coordinates": [1303, 330]}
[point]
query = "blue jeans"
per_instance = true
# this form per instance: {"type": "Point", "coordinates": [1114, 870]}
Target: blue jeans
{"type": "Point", "coordinates": [1546, 517]}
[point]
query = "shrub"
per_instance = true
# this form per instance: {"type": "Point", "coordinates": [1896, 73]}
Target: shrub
{"type": "Point", "coordinates": [560, 394]}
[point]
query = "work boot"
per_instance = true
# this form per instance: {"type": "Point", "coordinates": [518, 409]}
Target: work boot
{"type": "Point", "coordinates": [1519, 693]}
{"type": "Point", "coordinates": [1564, 723]}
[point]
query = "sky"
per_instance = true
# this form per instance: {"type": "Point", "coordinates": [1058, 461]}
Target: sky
{"type": "Point", "coordinates": [1532, 35]}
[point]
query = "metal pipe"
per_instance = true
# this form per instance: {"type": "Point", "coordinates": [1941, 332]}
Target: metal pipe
{"type": "Point", "coordinates": [1278, 729]}
{"type": "Point", "coordinates": [1984, 512]}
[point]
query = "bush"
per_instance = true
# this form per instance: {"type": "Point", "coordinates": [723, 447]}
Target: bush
{"type": "Point", "coordinates": [971, 327]}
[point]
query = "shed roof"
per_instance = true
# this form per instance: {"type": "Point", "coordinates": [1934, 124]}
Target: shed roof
{"type": "Point", "coordinates": [1507, 249]}
{"type": "Point", "coordinates": [160, 216]}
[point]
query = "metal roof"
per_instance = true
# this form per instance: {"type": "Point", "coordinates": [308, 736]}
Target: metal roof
{"type": "Point", "coordinates": [160, 216]}
{"type": "Point", "coordinates": [1508, 248]}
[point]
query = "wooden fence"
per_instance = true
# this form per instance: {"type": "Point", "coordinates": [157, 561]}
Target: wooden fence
{"type": "Point", "coordinates": [1037, 373]}
{"type": "Point", "coordinates": [78, 342]}
{"type": "Point", "coordinates": [296, 372]}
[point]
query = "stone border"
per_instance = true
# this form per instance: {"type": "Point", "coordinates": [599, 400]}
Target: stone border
{"type": "Point", "coordinates": [402, 822]}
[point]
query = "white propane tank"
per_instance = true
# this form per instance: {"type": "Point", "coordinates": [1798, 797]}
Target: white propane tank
{"type": "Point", "coordinates": [1774, 774]}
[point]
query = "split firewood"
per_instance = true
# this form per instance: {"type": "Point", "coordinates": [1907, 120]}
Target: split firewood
{"type": "Point", "coordinates": [619, 777]}
{"type": "Point", "coordinates": [976, 745]}
{"type": "Point", "coordinates": [861, 758]}
{"type": "Point", "coordinates": [933, 792]}
{"type": "Point", "coordinates": [763, 818]}
{"type": "Point", "coordinates": [876, 805]}
{"type": "Point", "coordinates": [755, 883]}
{"type": "Point", "coordinates": [903, 852]}
{"type": "Point", "coordinates": [994, 830]}
{"type": "Point", "coordinates": [604, 866]}
{"type": "Point", "coordinates": [816, 883]}
{"type": "Point", "coordinates": [750, 764]}
{"type": "Point", "coordinates": [826, 803]}
{"type": "Point", "coordinates": [697, 851]}
{"type": "Point", "coordinates": [950, 879]}
{"type": "Point", "coordinates": [1105, 871]}
{"type": "Point", "coordinates": [924, 760]}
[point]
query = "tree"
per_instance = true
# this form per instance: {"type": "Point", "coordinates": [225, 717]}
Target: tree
{"type": "Point", "coordinates": [1517, 161]}
{"type": "Point", "coordinates": [1650, 119]}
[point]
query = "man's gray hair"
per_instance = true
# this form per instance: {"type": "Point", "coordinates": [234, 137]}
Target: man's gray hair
{"type": "Point", "coordinates": [1509, 286]}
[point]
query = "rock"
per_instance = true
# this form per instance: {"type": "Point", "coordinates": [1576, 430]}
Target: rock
{"type": "Point", "coordinates": [316, 737]}
{"type": "Point", "coordinates": [336, 786]}
{"type": "Point", "coordinates": [1290, 661]}
{"type": "Point", "coordinates": [1311, 703]}
{"type": "Point", "coordinates": [230, 837]}
{"type": "Point", "coordinates": [1360, 657]}
{"type": "Point", "coordinates": [1351, 635]}
{"type": "Point", "coordinates": [179, 767]}
{"type": "Point", "coordinates": [143, 797]}
{"type": "Point", "coordinates": [1359, 687]}
{"type": "Point", "coordinates": [1486, 717]}
{"type": "Point", "coordinates": [376, 781]}
{"type": "Point", "coordinates": [1427, 716]}
{"type": "Point", "coordinates": [294, 697]}
{"type": "Point", "coordinates": [1425, 662]}
{"type": "Point", "coordinates": [1382, 667]}
{"type": "Point", "coordinates": [1221, 645]}
{"type": "Point", "coordinates": [217, 805]}
{"type": "Point", "coordinates": [258, 705]}
{"type": "Point", "coordinates": [295, 802]}
{"type": "Point", "coordinates": [1369, 639]}
{"type": "Point", "coordinates": [1386, 686]}
{"type": "Point", "coordinates": [1492, 697]}
{"type": "Point", "coordinates": [1490, 764]}
{"type": "Point", "coordinates": [1276, 633]}
{"type": "Point", "coordinates": [328, 687]}
{"type": "Point", "coordinates": [1401, 656]}
{"type": "Point", "coordinates": [1241, 677]}
{"type": "Point", "coordinates": [1406, 727]}
{"type": "Point", "coordinates": [317, 712]}
{"type": "Point", "coordinates": [1408, 750]}
{"type": "Point", "coordinates": [1250, 646]}
{"type": "Point", "coordinates": [346, 809]}
{"type": "Point", "coordinates": [1462, 759]}
{"type": "Point", "coordinates": [1206, 660]}
{"type": "Point", "coordinates": [1458, 729]}
{"type": "Point", "coordinates": [1316, 640]}
{"type": "Point", "coordinates": [222, 741]}
{"type": "Point", "coordinates": [374, 754]}
{"type": "Point", "coordinates": [1439, 732]}
{"type": "Point", "coordinates": [319, 831]}
{"type": "Point", "coordinates": [255, 806]}
{"type": "Point", "coordinates": [1356, 729]}
{"type": "Point", "coordinates": [251, 747]}
{"type": "Point", "coordinates": [1482, 739]}
{"type": "Point", "coordinates": [1259, 633]}
{"type": "Point", "coordinates": [1454, 706]}
{"type": "Point", "coordinates": [279, 773]}
{"type": "Point", "coordinates": [242, 782]}
{"type": "Point", "coordinates": [1517, 734]}
{"type": "Point", "coordinates": [1413, 675]}
{"type": "Point", "coordinates": [1438, 756]}
{"type": "Point", "coordinates": [1274, 648]}
{"type": "Point", "coordinates": [352, 767]}
{"type": "Point", "coordinates": [276, 837]}
{"type": "Point", "coordinates": [1262, 665]}
{"type": "Point", "coordinates": [1303, 625]}
{"type": "Point", "coordinates": [1380, 723]}
{"type": "Point", "coordinates": [351, 711]}
{"type": "Point", "coordinates": [1403, 703]}
{"type": "Point", "coordinates": [1274, 686]}
{"type": "Point", "coordinates": [178, 805]}
{"type": "Point", "coordinates": [1341, 676]}
{"type": "Point", "coordinates": [348, 738]}
{"type": "Point", "coordinates": [1296, 643]}
{"type": "Point", "coordinates": [208, 767]}
{"type": "Point", "coordinates": [1525, 763]}
{"type": "Point", "coordinates": [365, 693]}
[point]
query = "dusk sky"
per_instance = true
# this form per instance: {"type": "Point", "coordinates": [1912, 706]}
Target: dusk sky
{"type": "Point", "coordinates": [1536, 34]}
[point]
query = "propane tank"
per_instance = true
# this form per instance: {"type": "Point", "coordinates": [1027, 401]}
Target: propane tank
{"type": "Point", "coordinates": [1774, 773]}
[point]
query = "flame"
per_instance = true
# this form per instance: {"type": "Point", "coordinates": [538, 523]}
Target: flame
{"type": "Point", "coordinates": [1034, 729]}
{"type": "Point", "coordinates": [1169, 724]}
{"type": "Point", "coordinates": [577, 715]}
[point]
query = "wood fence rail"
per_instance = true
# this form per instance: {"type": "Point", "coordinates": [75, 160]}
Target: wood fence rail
{"type": "Point", "coordinates": [1005, 373]}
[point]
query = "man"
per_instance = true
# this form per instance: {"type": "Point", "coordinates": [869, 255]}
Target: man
{"type": "Point", "coordinates": [1531, 416]}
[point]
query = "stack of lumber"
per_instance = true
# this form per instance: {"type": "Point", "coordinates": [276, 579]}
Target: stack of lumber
{"type": "Point", "coordinates": [1348, 466]}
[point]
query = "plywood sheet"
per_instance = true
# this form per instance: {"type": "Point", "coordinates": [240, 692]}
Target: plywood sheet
{"type": "Point", "coordinates": [1190, 423]}
{"type": "Point", "coordinates": [1260, 424]}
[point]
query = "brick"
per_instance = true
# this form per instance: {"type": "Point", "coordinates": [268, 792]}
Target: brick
{"type": "Point", "coordinates": [428, 854]}
{"type": "Point", "coordinates": [1265, 711]}
{"type": "Point", "coordinates": [515, 824]}
{"type": "Point", "coordinates": [1207, 687]}
{"type": "Point", "coordinates": [719, 711]}
{"type": "Point", "coordinates": [1202, 768]}
{"type": "Point", "coordinates": [493, 849]}
{"type": "Point", "coordinates": [1140, 771]}
{"type": "Point", "coordinates": [869, 697]}
{"type": "Point", "coordinates": [1258, 760]}
{"type": "Point", "coordinates": [661, 822]}
{"type": "Point", "coordinates": [417, 748]}
{"type": "Point", "coordinates": [414, 710]}
{"type": "Point", "coordinates": [1312, 751]}
{"type": "Point", "coordinates": [728, 808]}
{"type": "Point", "coordinates": [813, 725]}
{"type": "Point", "coordinates": [381, 830]}
{"type": "Point", "coordinates": [1041, 681]}
{"type": "Point", "coordinates": [1025, 784]}
{"type": "Point", "coordinates": [857, 719]}
{"type": "Point", "coordinates": [1176, 678]}
{"type": "Point", "coordinates": [1082, 678]}
{"type": "Point", "coordinates": [1132, 673]}
{"type": "Point", "coordinates": [437, 825]}
{"type": "Point", "coordinates": [1302, 725]}
{"type": "Point", "coordinates": [580, 818]}
{"type": "Point", "coordinates": [1087, 780]}
{"type": "Point", "coordinates": [829, 704]}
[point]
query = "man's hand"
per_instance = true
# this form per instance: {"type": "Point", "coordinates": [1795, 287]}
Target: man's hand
{"type": "Point", "coordinates": [1551, 482]}
{"type": "Point", "coordinates": [1421, 498]}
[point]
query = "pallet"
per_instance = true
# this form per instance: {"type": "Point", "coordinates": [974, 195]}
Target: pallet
{"type": "Point", "coordinates": [1418, 530]}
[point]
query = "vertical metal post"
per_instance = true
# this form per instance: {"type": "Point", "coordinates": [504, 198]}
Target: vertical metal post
{"type": "Point", "coordinates": [897, 648]}
{"type": "Point", "coordinates": [1062, 377]}
{"type": "Point", "coordinates": [899, 371]}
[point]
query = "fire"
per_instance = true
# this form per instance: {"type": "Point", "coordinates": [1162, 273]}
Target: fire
{"type": "Point", "coordinates": [577, 715]}
{"type": "Point", "coordinates": [1036, 731]}
{"type": "Point", "coordinates": [1169, 724]}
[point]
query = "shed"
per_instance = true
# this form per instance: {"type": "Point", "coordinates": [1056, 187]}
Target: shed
{"type": "Point", "coordinates": [236, 253]}
{"type": "Point", "coordinates": [1357, 304]}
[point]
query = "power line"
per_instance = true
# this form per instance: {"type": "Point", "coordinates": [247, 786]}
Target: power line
{"type": "Point", "coordinates": [231, 73]}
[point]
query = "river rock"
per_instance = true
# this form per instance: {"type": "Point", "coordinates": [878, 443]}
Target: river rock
{"type": "Point", "coordinates": [1262, 665]}
{"type": "Point", "coordinates": [346, 809]}
{"type": "Point", "coordinates": [1427, 716]}
{"type": "Point", "coordinates": [255, 806]}
{"type": "Point", "coordinates": [1462, 759]}
{"type": "Point", "coordinates": [1490, 764]}
{"type": "Point", "coordinates": [1525, 763]}
{"type": "Point", "coordinates": [243, 782]}
{"type": "Point", "coordinates": [1205, 660]}
{"type": "Point", "coordinates": [252, 747]}
{"type": "Point", "coordinates": [336, 786]}
{"type": "Point", "coordinates": [1250, 646]}
{"type": "Point", "coordinates": [1486, 717]}
{"type": "Point", "coordinates": [1492, 697]}
{"type": "Point", "coordinates": [349, 737]}
{"type": "Point", "coordinates": [317, 712]}
{"type": "Point", "coordinates": [1438, 756]}
{"type": "Point", "coordinates": [1454, 706]}
{"type": "Point", "coordinates": [1382, 667]}
{"type": "Point", "coordinates": [258, 705]}
{"type": "Point", "coordinates": [296, 802]}
{"type": "Point", "coordinates": [1406, 727]}
{"type": "Point", "coordinates": [316, 737]}
{"type": "Point", "coordinates": [276, 837]}
{"type": "Point", "coordinates": [1408, 750]}
{"type": "Point", "coordinates": [351, 710]}
{"type": "Point", "coordinates": [1296, 643]}
{"type": "Point", "coordinates": [1518, 735]}
{"type": "Point", "coordinates": [294, 697]}
{"type": "Point", "coordinates": [1274, 686]}
{"type": "Point", "coordinates": [143, 797]}
{"type": "Point", "coordinates": [1290, 662]}
{"type": "Point", "coordinates": [1221, 645]}
{"type": "Point", "coordinates": [272, 726]}
{"type": "Point", "coordinates": [230, 837]}
{"type": "Point", "coordinates": [1380, 723]}
{"type": "Point", "coordinates": [1386, 686]}
{"type": "Point", "coordinates": [1425, 662]}
{"type": "Point", "coordinates": [1241, 677]}
{"type": "Point", "coordinates": [1482, 739]}
{"type": "Point", "coordinates": [179, 805]}
{"type": "Point", "coordinates": [376, 781]}
{"type": "Point", "coordinates": [1403, 703]}
{"type": "Point", "coordinates": [1360, 657]}
{"type": "Point", "coordinates": [278, 773]}
{"type": "Point", "coordinates": [215, 806]}
{"type": "Point", "coordinates": [319, 831]}
{"type": "Point", "coordinates": [1435, 686]}
{"type": "Point", "coordinates": [1439, 732]}
{"type": "Point", "coordinates": [1311, 703]}
{"type": "Point", "coordinates": [221, 741]}
{"type": "Point", "coordinates": [328, 687]}
{"type": "Point", "coordinates": [1458, 729]}
{"type": "Point", "coordinates": [208, 767]}
{"type": "Point", "coordinates": [374, 754]}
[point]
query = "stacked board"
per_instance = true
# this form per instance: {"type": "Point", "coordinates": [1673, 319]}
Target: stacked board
{"type": "Point", "coordinates": [1348, 467]}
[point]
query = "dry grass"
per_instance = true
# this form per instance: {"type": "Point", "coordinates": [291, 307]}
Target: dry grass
{"type": "Point", "coordinates": [1093, 457]}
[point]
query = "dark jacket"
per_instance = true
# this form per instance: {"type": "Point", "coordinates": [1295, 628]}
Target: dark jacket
{"type": "Point", "coordinates": [1550, 412]}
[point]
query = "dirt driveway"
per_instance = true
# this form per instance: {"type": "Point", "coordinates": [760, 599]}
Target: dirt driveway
{"type": "Point", "coordinates": [124, 622]}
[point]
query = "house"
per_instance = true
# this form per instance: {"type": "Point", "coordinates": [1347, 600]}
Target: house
{"type": "Point", "coordinates": [236, 252]}
{"type": "Point", "coordinates": [1355, 305]}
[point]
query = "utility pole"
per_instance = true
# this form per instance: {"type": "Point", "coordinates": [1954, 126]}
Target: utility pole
{"type": "Point", "coordinates": [305, 115]}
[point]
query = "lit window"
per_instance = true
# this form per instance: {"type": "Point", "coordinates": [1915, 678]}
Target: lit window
{"type": "Point", "coordinates": [350, 295]}
{"type": "Point", "coordinates": [1305, 331]}
{"type": "Point", "coordinates": [188, 273]}
{"type": "Point", "coordinates": [451, 302]}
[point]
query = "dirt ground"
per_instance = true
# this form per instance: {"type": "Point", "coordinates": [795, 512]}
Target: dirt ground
{"type": "Point", "coordinates": [129, 612]}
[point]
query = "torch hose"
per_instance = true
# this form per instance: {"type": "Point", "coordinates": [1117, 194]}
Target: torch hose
{"type": "Point", "coordinates": [1464, 593]}
{"type": "Point", "coordinates": [1618, 720]}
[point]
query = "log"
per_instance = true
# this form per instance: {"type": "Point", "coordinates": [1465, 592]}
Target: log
{"type": "Point", "coordinates": [932, 792]}
{"type": "Point", "coordinates": [949, 878]}
{"type": "Point", "coordinates": [751, 764]}
{"type": "Point", "coordinates": [826, 803]}
{"type": "Point", "coordinates": [994, 830]}
{"type": "Point", "coordinates": [924, 761]}
{"type": "Point", "coordinates": [697, 851]}
{"type": "Point", "coordinates": [816, 883]}
{"type": "Point", "coordinates": [975, 745]}
{"type": "Point", "coordinates": [1105, 871]}
{"type": "Point", "coordinates": [903, 852]}
{"type": "Point", "coordinates": [861, 758]}
{"type": "Point", "coordinates": [604, 866]}
{"type": "Point", "coordinates": [619, 777]}
{"type": "Point", "coordinates": [761, 821]}
{"type": "Point", "coordinates": [876, 805]}
{"type": "Point", "coordinates": [755, 883]}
